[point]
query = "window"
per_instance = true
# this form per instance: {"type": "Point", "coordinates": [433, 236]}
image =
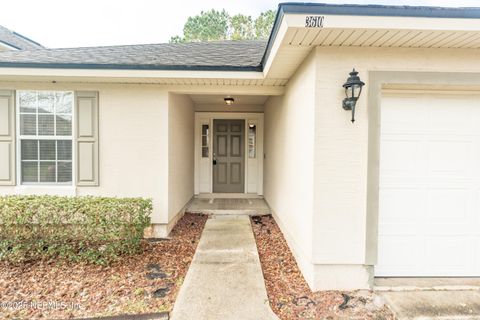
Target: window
{"type": "Point", "coordinates": [252, 141]}
{"type": "Point", "coordinates": [205, 152]}
{"type": "Point", "coordinates": [45, 136]}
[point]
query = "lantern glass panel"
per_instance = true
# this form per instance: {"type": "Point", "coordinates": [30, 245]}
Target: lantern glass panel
{"type": "Point", "coordinates": [356, 90]}
{"type": "Point", "coordinates": [351, 91]}
{"type": "Point", "coordinates": [348, 92]}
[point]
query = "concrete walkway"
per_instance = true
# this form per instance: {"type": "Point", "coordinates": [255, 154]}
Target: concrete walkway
{"type": "Point", "coordinates": [225, 279]}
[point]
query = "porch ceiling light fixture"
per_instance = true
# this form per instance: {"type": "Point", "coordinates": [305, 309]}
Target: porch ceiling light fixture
{"type": "Point", "coordinates": [353, 89]}
{"type": "Point", "coordinates": [229, 101]}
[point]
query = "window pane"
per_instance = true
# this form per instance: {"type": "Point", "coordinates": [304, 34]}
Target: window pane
{"type": "Point", "coordinates": [64, 125]}
{"type": "Point", "coordinates": [45, 125]}
{"type": "Point", "coordinates": [47, 149]}
{"type": "Point", "coordinates": [64, 171]}
{"type": "Point", "coordinates": [28, 124]}
{"type": "Point", "coordinates": [205, 129]}
{"type": "Point", "coordinates": [29, 149]}
{"type": "Point", "coordinates": [64, 150]}
{"type": "Point", "coordinates": [47, 172]}
{"type": "Point", "coordinates": [29, 171]}
{"type": "Point", "coordinates": [205, 152]}
{"type": "Point", "coordinates": [28, 101]}
{"type": "Point", "coordinates": [45, 102]}
{"type": "Point", "coordinates": [63, 102]}
{"type": "Point", "coordinates": [252, 133]}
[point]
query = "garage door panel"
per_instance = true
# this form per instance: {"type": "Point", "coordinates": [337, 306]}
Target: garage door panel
{"type": "Point", "coordinates": [448, 206]}
{"type": "Point", "coordinates": [401, 156]}
{"type": "Point", "coordinates": [449, 158]}
{"type": "Point", "coordinates": [476, 252]}
{"type": "Point", "coordinates": [429, 197]}
{"type": "Point", "coordinates": [453, 114]}
{"type": "Point", "coordinates": [447, 255]}
{"type": "Point", "coordinates": [476, 205]}
{"type": "Point", "coordinates": [407, 248]}
{"type": "Point", "coordinates": [397, 118]}
{"type": "Point", "coordinates": [400, 205]}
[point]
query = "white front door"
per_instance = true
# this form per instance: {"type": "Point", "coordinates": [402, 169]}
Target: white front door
{"type": "Point", "coordinates": [429, 204]}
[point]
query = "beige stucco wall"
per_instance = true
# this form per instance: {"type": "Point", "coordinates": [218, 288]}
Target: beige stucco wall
{"type": "Point", "coordinates": [288, 164]}
{"type": "Point", "coordinates": [342, 159]}
{"type": "Point", "coordinates": [133, 142]}
{"type": "Point", "coordinates": [180, 153]}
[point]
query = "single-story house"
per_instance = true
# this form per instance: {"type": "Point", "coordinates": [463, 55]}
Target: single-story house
{"type": "Point", "coordinates": [395, 193]}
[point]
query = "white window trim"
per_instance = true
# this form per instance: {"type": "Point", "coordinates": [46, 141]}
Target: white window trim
{"type": "Point", "coordinates": [56, 187]}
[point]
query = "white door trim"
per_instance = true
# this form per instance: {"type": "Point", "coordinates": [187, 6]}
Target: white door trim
{"type": "Point", "coordinates": [203, 166]}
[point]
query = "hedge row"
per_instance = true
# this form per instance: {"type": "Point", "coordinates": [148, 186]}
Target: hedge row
{"type": "Point", "coordinates": [88, 229]}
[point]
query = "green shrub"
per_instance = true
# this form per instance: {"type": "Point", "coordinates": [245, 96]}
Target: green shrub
{"type": "Point", "coordinates": [86, 229]}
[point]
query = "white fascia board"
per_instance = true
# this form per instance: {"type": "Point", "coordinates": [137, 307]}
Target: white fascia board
{"type": "Point", "coordinates": [277, 42]}
{"type": "Point", "coordinates": [125, 74]}
{"type": "Point", "coordinates": [385, 23]}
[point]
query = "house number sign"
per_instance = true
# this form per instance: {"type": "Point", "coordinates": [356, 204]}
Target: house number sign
{"type": "Point", "coordinates": [314, 21]}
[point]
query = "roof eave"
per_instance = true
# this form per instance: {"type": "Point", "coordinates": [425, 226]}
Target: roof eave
{"type": "Point", "coordinates": [289, 9]}
{"type": "Point", "coordinates": [381, 10]}
{"type": "Point", "coordinates": [128, 66]}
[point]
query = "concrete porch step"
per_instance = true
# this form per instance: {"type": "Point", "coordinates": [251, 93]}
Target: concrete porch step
{"type": "Point", "coordinates": [229, 206]}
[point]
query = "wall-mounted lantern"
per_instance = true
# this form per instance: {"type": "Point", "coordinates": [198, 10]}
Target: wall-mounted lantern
{"type": "Point", "coordinates": [353, 89]}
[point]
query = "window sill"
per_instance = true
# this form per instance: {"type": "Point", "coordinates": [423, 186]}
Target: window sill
{"type": "Point", "coordinates": [51, 190]}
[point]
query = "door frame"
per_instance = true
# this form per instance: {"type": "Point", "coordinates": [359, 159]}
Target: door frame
{"type": "Point", "coordinates": [203, 176]}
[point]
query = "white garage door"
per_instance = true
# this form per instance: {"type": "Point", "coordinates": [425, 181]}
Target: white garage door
{"type": "Point", "coordinates": [429, 215]}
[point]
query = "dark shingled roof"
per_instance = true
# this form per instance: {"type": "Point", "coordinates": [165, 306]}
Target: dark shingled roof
{"type": "Point", "coordinates": [17, 41]}
{"type": "Point", "coordinates": [216, 55]}
{"type": "Point", "coordinates": [246, 55]}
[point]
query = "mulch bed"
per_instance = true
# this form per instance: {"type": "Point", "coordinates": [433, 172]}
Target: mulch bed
{"type": "Point", "coordinates": [143, 283]}
{"type": "Point", "coordinates": [289, 294]}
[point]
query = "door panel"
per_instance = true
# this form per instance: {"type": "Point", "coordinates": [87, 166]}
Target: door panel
{"type": "Point", "coordinates": [228, 149]}
{"type": "Point", "coordinates": [221, 173]}
{"type": "Point", "coordinates": [235, 173]}
{"type": "Point", "coordinates": [236, 146]}
{"type": "Point", "coordinates": [221, 150]}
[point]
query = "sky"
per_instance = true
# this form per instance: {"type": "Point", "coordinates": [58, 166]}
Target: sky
{"type": "Point", "coordinates": [69, 23]}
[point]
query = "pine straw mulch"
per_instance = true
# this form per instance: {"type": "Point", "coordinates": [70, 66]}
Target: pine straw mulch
{"type": "Point", "coordinates": [131, 285]}
{"type": "Point", "coordinates": [289, 294]}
